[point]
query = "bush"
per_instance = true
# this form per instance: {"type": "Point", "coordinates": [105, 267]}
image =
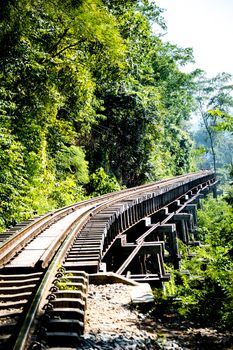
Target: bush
{"type": "Point", "coordinates": [101, 183]}
{"type": "Point", "coordinates": [206, 292]}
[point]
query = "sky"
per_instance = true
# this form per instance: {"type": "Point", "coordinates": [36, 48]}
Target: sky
{"type": "Point", "coordinates": [204, 25]}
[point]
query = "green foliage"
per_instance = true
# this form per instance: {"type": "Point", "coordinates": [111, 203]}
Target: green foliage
{"type": "Point", "coordinates": [229, 194]}
{"type": "Point", "coordinates": [225, 120]}
{"type": "Point", "coordinates": [214, 105]}
{"type": "Point", "coordinates": [206, 291]}
{"type": "Point", "coordinates": [72, 160]}
{"type": "Point", "coordinates": [63, 283]}
{"type": "Point", "coordinates": [216, 223]}
{"type": "Point", "coordinates": [145, 108]}
{"type": "Point", "coordinates": [50, 56]}
{"type": "Point", "coordinates": [223, 145]}
{"type": "Point", "coordinates": [100, 183]}
{"type": "Point", "coordinates": [87, 85]}
{"type": "Point", "coordinates": [13, 180]}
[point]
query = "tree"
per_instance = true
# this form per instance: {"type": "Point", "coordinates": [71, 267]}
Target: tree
{"type": "Point", "coordinates": [87, 85]}
{"type": "Point", "coordinates": [213, 101]}
{"type": "Point", "coordinates": [51, 54]}
{"type": "Point", "coordinates": [146, 107]}
{"type": "Point", "coordinates": [205, 290]}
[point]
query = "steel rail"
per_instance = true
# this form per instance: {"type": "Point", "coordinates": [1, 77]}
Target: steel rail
{"type": "Point", "coordinates": [14, 244]}
{"type": "Point", "coordinates": [36, 305]}
{"type": "Point", "coordinates": [64, 242]}
{"type": "Point", "coordinates": [140, 241]}
{"type": "Point", "coordinates": [42, 292]}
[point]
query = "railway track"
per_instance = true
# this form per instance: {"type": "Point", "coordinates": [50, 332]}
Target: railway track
{"type": "Point", "coordinates": [45, 262]}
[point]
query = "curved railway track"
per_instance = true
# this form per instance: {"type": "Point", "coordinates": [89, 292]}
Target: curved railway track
{"type": "Point", "coordinates": [44, 262]}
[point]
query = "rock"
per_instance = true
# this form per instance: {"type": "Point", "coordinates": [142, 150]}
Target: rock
{"type": "Point", "coordinates": [142, 294]}
{"type": "Point", "coordinates": [112, 324]}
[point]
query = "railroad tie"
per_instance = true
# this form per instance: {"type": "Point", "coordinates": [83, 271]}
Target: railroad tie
{"type": "Point", "coordinates": [64, 318]}
{"type": "Point", "coordinates": [15, 291]}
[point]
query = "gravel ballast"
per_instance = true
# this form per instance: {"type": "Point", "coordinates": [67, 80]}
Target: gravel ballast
{"type": "Point", "coordinates": [113, 323]}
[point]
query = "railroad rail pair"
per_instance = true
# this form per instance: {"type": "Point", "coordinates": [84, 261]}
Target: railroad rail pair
{"type": "Point", "coordinates": [44, 265]}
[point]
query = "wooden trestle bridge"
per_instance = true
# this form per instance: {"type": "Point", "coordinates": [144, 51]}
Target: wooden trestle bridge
{"type": "Point", "coordinates": [45, 263]}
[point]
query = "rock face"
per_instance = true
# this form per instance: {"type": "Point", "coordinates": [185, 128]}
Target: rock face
{"type": "Point", "coordinates": [113, 323]}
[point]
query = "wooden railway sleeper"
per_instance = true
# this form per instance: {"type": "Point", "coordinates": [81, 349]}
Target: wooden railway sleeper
{"type": "Point", "coordinates": [68, 302]}
{"type": "Point", "coordinates": [76, 279]}
{"type": "Point", "coordinates": [20, 276]}
{"type": "Point", "coordinates": [14, 290]}
{"type": "Point", "coordinates": [89, 266]}
{"type": "Point", "coordinates": [52, 308]}
{"type": "Point", "coordinates": [79, 257]}
{"type": "Point", "coordinates": [6, 328]}
{"type": "Point", "coordinates": [81, 260]}
{"type": "Point", "coordinates": [67, 294]}
{"type": "Point", "coordinates": [13, 304]}
{"type": "Point", "coordinates": [85, 245]}
{"type": "Point", "coordinates": [62, 338]}
{"type": "Point", "coordinates": [65, 325]}
{"type": "Point", "coordinates": [85, 240]}
{"type": "Point", "coordinates": [18, 283]}
{"type": "Point", "coordinates": [64, 318]}
{"type": "Point", "coordinates": [84, 258]}
{"type": "Point", "coordinates": [77, 286]}
{"type": "Point", "coordinates": [84, 254]}
{"type": "Point", "coordinates": [15, 297]}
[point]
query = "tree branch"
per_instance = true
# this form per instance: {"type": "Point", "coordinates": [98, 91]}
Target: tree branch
{"type": "Point", "coordinates": [64, 49]}
{"type": "Point", "coordinates": [58, 42]}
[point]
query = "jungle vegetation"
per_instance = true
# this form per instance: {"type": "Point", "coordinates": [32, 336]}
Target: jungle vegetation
{"type": "Point", "coordinates": [203, 287]}
{"type": "Point", "coordinates": [91, 100]}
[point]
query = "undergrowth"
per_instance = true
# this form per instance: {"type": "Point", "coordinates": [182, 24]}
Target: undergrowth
{"type": "Point", "coordinates": [202, 290]}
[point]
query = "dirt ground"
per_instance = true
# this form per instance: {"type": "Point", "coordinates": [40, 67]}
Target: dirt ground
{"type": "Point", "coordinates": [110, 311]}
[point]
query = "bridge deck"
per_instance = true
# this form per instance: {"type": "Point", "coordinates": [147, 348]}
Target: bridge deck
{"type": "Point", "coordinates": [35, 250]}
